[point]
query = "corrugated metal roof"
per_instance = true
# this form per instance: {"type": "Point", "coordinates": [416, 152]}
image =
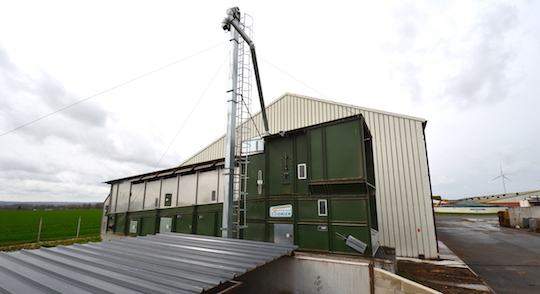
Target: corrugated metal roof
{"type": "Point", "coordinates": [162, 263]}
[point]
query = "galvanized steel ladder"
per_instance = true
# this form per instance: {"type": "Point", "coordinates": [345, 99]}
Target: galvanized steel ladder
{"type": "Point", "coordinates": [244, 90]}
{"type": "Point", "coordinates": [239, 107]}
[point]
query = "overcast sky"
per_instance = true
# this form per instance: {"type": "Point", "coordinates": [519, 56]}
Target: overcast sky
{"type": "Point", "coordinates": [471, 68]}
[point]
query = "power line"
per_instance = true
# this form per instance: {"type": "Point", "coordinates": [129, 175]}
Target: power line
{"type": "Point", "coordinates": [324, 96]}
{"type": "Point", "coordinates": [291, 76]}
{"type": "Point", "coordinates": [192, 110]}
{"type": "Point", "coordinates": [109, 89]}
{"type": "Point", "coordinates": [250, 116]}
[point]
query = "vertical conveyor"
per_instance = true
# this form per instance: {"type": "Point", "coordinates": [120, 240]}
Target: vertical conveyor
{"type": "Point", "coordinates": [239, 107]}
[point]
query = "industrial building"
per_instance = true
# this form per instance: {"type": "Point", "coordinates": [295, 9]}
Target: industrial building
{"type": "Point", "coordinates": [323, 178]}
{"type": "Point", "coordinates": [510, 199]}
{"type": "Point", "coordinates": [380, 192]}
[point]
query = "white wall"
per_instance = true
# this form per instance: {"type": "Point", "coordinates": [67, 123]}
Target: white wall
{"type": "Point", "coordinates": [121, 198]}
{"type": "Point", "coordinates": [169, 186]}
{"type": "Point", "coordinates": [517, 214]}
{"type": "Point", "coordinates": [187, 192]}
{"type": "Point", "coordinates": [208, 183]}
{"type": "Point", "coordinates": [137, 196]}
{"type": "Point", "coordinates": [151, 194]}
{"type": "Point", "coordinates": [325, 274]}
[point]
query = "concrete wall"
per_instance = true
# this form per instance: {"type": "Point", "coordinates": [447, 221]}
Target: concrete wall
{"type": "Point", "coordinates": [517, 214]}
{"type": "Point", "coordinates": [389, 283]}
{"type": "Point", "coordinates": [326, 274]}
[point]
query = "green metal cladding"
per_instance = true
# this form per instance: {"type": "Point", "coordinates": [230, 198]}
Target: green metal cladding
{"type": "Point", "coordinates": [321, 178]}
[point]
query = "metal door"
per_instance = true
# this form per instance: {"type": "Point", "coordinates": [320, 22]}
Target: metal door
{"type": "Point", "coordinates": [165, 225]}
{"type": "Point", "coordinates": [284, 234]}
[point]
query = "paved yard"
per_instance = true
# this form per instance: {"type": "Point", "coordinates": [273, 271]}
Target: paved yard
{"type": "Point", "coordinates": [508, 259]}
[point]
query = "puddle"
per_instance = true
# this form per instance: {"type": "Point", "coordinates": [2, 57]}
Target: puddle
{"type": "Point", "coordinates": [474, 287]}
{"type": "Point", "coordinates": [489, 221]}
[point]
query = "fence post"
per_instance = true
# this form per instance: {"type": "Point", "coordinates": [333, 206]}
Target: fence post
{"type": "Point", "coordinates": [39, 230]}
{"type": "Point", "coordinates": [78, 228]}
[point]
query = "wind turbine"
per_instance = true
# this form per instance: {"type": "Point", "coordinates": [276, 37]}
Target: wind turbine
{"type": "Point", "coordinates": [502, 176]}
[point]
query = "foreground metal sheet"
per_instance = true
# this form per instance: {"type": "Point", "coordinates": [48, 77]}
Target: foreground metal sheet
{"type": "Point", "coordinates": [162, 263]}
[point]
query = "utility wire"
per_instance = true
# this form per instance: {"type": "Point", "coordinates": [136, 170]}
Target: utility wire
{"type": "Point", "coordinates": [324, 96]}
{"type": "Point", "coordinates": [250, 116]}
{"type": "Point", "coordinates": [192, 110]}
{"type": "Point", "coordinates": [108, 90]}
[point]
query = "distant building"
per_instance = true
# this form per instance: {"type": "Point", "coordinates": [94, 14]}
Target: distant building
{"type": "Point", "coordinates": [511, 199]}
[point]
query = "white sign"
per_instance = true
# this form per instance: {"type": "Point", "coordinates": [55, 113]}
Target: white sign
{"type": "Point", "coordinates": [281, 211]}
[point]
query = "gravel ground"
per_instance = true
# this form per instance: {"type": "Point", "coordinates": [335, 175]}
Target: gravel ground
{"type": "Point", "coordinates": [446, 279]}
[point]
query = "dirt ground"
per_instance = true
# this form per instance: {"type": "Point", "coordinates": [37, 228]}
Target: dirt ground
{"type": "Point", "coordinates": [37, 245]}
{"type": "Point", "coordinates": [445, 279]}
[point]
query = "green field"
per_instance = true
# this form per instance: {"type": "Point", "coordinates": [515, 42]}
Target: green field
{"type": "Point", "coordinates": [21, 226]}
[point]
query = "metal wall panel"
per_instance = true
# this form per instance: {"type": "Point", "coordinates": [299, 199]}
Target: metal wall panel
{"type": "Point", "coordinates": [151, 197]}
{"type": "Point", "coordinates": [137, 196]}
{"type": "Point", "coordinates": [112, 197]}
{"type": "Point", "coordinates": [187, 194]}
{"type": "Point", "coordinates": [169, 186]}
{"type": "Point", "coordinates": [208, 183]}
{"type": "Point", "coordinates": [122, 197]}
{"type": "Point", "coordinates": [405, 212]}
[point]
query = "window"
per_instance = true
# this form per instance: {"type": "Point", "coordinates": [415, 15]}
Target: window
{"type": "Point", "coordinates": [213, 195]}
{"type": "Point", "coordinates": [323, 207]}
{"type": "Point", "coordinates": [259, 182]}
{"type": "Point", "coordinates": [168, 199]}
{"type": "Point", "coordinates": [302, 171]}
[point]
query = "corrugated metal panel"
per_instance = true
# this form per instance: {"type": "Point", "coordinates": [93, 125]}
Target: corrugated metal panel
{"type": "Point", "coordinates": [403, 186]}
{"type": "Point", "coordinates": [163, 263]}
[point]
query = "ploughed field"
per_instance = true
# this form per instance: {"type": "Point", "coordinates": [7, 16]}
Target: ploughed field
{"type": "Point", "coordinates": [22, 226]}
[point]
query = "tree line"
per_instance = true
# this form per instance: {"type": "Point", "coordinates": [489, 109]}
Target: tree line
{"type": "Point", "coordinates": [31, 206]}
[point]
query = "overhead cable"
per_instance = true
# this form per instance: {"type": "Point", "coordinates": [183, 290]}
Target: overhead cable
{"type": "Point", "coordinates": [323, 96]}
{"type": "Point", "coordinates": [108, 90]}
{"type": "Point", "coordinates": [191, 112]}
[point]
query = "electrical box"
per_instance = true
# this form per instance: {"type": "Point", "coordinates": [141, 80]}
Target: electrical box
{"type": "Point", "coordinates": [133, 227]}
{"type": "Point", "coordinates": [165, 225]}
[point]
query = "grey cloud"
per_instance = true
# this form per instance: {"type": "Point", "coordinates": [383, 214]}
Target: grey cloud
{"type": "Point", "coordinates": [27, 97]}
{"type": "Point", "coordinates": [483, 77]}
{"type": "Point", "coordinates": [479, 59]}
{"type": "Point", "coordinates": [26, 164]}
{"type": "Point", "coordinates": [402, 47]}
{"type": "Point", "coordinates": [410, 21]}
{"type": "Point", "coordinates": [54, 94]}
{"type": "Point", "coordinates": [69, 152]}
